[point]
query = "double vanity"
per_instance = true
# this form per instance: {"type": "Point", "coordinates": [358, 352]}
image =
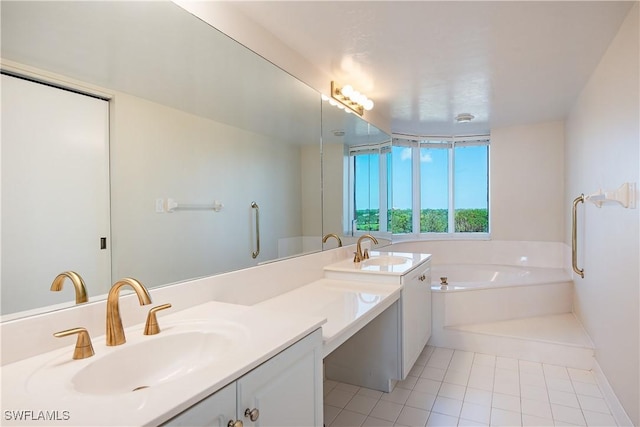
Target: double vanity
{"type": "Point", "coordinates": [243, 348]}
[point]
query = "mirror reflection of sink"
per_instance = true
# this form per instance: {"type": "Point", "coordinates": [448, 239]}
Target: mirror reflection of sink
{"type": "Point", "coordinates": [161, 359]}
{"type": "Point", "coordinates": [385, 260]}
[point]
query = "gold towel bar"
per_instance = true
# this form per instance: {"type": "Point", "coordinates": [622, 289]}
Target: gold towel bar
{"type": "Point", "coordinates": [574, 235]}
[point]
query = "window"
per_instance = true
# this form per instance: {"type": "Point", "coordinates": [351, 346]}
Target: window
{"type": "Point", "coordinates": [368, 172]}
{"type": "Point", "coordinates": [440, 186]}
{"type": "Point", "coordinates": [401, 213]}
{"type": "Point", "coordinates": [471, 189]}
{"type": "Point", "coordinates": [434, 187]}
{"type": "Point", "coordinates": [367, 192]}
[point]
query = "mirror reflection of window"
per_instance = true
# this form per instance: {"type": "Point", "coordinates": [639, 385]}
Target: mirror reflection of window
{"type": "Point", "coordinates": [370, 183]}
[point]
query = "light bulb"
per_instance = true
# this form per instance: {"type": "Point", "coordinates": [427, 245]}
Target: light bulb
{"type": "Point", "coordinates": [354, 95]}
{"type": "Point", "coordinates": [368, 105]}
{"type": "Point", "coordinates": [347, 91]}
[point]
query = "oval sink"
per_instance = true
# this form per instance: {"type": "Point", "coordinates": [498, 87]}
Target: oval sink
{"type": "Point", "coordinates": [148, 363]}
{"type": "Point", "coordinates": [386, 260]}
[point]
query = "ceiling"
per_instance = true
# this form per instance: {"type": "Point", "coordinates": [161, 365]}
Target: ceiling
{"type": "Point", "coordinates": [424, 62]}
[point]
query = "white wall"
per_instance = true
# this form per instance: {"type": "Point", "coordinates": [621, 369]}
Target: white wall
{"type": "Point", "coordinates": [602, 139]}
{"type": "Point", "coordinates": [159, 152]}
{"type": "Point", "coordinates": [527, 182]}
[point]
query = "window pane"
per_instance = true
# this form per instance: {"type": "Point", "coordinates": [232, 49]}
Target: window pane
{"type": "Point", "coordinates": [434, 190]}
{"type": "Point", "coordinates": [389, 160]}
{"type": "Point", "coordinates": [401, 213]}
{"type": "Point", "coordinates": [471, 189]}
{"type": "Point", "coordinates": [367, 193]}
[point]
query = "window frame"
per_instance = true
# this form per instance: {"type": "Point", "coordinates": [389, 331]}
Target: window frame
{"type": "Point", "coordinates": [450, 143]}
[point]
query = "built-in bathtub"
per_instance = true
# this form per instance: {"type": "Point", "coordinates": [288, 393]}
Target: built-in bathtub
{"type": "Point", "coordinates": [490, 281]}
{"type": "Point", "coordinates": [466, 277]}
{"type": "Point", "coordinates": [512, 299]}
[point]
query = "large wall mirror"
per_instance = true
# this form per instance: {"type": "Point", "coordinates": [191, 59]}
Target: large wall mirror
{"type": "Point", "coordinates": [193, 117]}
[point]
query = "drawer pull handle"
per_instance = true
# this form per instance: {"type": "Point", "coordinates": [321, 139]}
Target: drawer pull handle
{"type": "Point", "coordinates": [236, 423]}
{"type": "Point", "coordinates": [252, 414]}
{"type": "Point", "coordinates": [422, 278]}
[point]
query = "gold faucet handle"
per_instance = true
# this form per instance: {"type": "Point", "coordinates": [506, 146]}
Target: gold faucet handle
{"type": "Point", "coordinates": [365, 254]}
{"type": "Point", "coordinates": [84, 348]}
{"type": "Point", "coordinates": [152, 327]}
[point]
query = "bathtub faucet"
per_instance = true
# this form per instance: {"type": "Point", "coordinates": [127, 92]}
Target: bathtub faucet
{"type": "Point", "coordinates": [359, 255]}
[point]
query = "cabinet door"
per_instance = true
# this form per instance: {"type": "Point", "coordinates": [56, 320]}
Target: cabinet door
{"type": "Point", "coordinates": [287, 389]}
{"type": "Point", "coordinates": [416, 315]}
{"type": "Point", "coordinates": [216, 410]}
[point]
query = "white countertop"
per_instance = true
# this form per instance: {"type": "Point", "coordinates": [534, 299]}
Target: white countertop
{"type": "Point", "coordinates": [43, 382]}
{"type": "Point", "coordinates": [368, 270]}
{"type": "Point", "coordinates": [347, 306]}
{"type": "Point", "coordinates": [342, 307]}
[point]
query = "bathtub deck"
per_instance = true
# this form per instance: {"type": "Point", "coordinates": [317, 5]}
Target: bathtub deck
{"type": "Point", "coordinates": [557, 339]}
{"type": "Point", "coordinates": [562, 329]}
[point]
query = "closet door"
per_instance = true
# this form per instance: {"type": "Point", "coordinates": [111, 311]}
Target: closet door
{"type": "Point", "coordinates": [55, 193]}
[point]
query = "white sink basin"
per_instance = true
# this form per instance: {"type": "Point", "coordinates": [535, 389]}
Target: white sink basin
{"type": "Point", "coordinates": [385, 260]}
{"type": "Point", "coordinates": [148, 363]}
{"type": "Point", "coordinates": [161, 359]}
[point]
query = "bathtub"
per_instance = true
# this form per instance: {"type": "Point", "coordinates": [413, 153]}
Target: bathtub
{"type": "Point", "coordinates": [490, 281]}
{"type": "Point", "coordinates": [494, 287]}
{"type": "Point", "coordinates": [465, 277]}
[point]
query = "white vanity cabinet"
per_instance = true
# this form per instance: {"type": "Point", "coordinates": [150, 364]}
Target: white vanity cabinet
{"type": "Point", "coordinates": [415, 309]}
{"type": "Point", "coordinates": [386, 349]}
{"type": "Point", "coordinates": [216, 410]}
{"type": "Point", "coordinates": [284, 391]}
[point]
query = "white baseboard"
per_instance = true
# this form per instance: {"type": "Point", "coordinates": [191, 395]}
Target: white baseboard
{"type": "Point", "coordinates": [618, 412]}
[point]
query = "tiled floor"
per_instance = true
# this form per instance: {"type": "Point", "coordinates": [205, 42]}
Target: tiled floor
{"type": "Point", "coordinates": [458, 388]}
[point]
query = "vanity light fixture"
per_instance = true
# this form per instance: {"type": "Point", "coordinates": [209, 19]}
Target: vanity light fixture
{"type": "Point", "coordinates": [464, 117]}
{"type": "Point", "coordinates": [350, 98]}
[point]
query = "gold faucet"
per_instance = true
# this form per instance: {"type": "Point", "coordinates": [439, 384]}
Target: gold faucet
{"type": "Point", "coordinates": [78, 283]}
{"type": "Point", "coordinates": [115, 332]}
{"type": "Point", "coordinates": [326, 237]}
{"type": "Point", "coordinates": [359, 255]}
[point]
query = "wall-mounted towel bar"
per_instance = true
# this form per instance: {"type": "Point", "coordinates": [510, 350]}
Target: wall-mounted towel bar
{"type": "Point", "coordinates": [625, 195]}
{"type": "Point", "coordinates": [574, 236]}
{"type": "Point", "coordinates": [255, 206]}
{"type": "Point", "coordinates": [172, 206]}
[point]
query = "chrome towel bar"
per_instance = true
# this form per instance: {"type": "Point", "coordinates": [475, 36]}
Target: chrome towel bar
{"type": "Point", "coordinates": [255, 206]}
